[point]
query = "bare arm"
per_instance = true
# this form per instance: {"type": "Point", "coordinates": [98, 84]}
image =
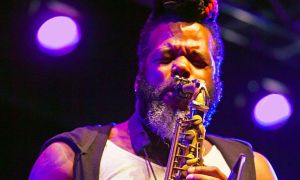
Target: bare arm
{"type": "Point", "coordinates": [263, 168]}
{"type": "Point", "coordinates": [56, 162]}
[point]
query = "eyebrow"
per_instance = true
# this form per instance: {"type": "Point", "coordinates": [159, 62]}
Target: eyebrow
{"type": "Point", "coordinates": [159, 52]}
{"type": "Point", "coordinates": [198, 53]}
{"type": "Point", "coordinates": [207, 59]}
{"type": "Point", "coordinates": [164, 49]}
{"type": "Point", "coordinates": [169, 48]}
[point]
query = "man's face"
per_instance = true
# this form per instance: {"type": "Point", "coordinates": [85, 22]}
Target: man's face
{"type": "Point", "coordinates": [182, 49]}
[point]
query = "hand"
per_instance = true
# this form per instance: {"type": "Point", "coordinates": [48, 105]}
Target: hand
{"type": "Point", "coordinates": [205, 172]}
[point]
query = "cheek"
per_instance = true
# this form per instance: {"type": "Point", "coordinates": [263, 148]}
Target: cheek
{"type": "Point", "coordinates": [157, 74]}
{"type": "Point", "coordinates": [206, 75]}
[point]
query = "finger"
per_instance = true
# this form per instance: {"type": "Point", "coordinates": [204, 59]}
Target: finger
{"type": "Point", "coordinates": [207, 170]}
{"type": "Point", "coordinates": [200, 177]}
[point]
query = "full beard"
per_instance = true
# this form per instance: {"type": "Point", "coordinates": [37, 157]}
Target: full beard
{"type": "Point", "coordinates": [157, 116]}
{"type": "Point", "coordinates": [162, 119]}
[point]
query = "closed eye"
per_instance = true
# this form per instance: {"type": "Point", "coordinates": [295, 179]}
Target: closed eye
{"type": "Point", "coordinates": [197, 60]}
{"type": "Point", "coordinates": [200, 64]}
{"type": "Point", "coordinates": [164, 57]}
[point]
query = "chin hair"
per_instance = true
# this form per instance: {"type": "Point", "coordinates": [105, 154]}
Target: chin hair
{"type": "Point", "coordinates": [158, 116]}
{"type": "Point", "coordinates": [161, 119]}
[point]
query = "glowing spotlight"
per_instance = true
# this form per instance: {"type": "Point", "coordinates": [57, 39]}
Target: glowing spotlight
{"type": "Point", "coordinates": [58, 36]}
{"type": "Point", "coordinates": [272, 111]}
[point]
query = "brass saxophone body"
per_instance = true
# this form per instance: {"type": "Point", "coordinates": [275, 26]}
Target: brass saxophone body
{"type": "Point", "coordinates": [187, 147]}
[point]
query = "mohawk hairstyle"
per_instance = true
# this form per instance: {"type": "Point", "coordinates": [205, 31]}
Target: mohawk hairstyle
{"type": "Point", "coordinates": [195, 10]}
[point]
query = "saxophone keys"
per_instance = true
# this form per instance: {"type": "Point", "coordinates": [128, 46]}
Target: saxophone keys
{"type": "Point", "coordinates": [193, 161]}
{"type": "Point", "coordinates": [197, 119]}
{"type": "Point", "coordinates": [190, 134]}
{"type": "Point", "coordinates": [184, 169]}
{"type": "Point", "coordinates": [189, 156]}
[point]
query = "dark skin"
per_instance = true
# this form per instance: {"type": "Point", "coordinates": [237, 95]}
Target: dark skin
{"type": "Point", "coordinates": [176, 49]}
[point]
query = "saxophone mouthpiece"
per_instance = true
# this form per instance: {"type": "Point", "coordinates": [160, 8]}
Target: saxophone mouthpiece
{"type": "Point", "coordinates": [185, 88]}
{"type": "Point", "coordinates": [188, 88]}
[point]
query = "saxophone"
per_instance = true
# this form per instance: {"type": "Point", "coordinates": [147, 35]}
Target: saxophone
{"type": "Point", "coordinates": [187, 147]}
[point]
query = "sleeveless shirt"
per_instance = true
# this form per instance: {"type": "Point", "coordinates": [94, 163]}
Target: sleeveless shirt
{"type": "Point", "coordinates": [89, 142]}
{"type": "Point", "coordinates": [118, 163]}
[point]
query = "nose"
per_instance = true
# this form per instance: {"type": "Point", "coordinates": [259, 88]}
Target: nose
{"type": "Point", "coordinates": [181, 67]}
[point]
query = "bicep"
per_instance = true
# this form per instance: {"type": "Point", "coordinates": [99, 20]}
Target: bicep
{"type": "Point", "coordinates": [263, 168]}
{"type": "Point", "coordinates": [55, 162]}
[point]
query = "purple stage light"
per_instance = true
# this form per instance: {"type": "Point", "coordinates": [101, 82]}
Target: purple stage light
{"type": "Point", "coordinates": [58, 36]}
{"type": "Point", "coordinates": [272, 111]}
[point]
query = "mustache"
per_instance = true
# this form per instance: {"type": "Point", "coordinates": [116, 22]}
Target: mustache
{"type": "Point", "coordinates": [151, 92]}
{"type": "Point", "coordinates": [161, 90]}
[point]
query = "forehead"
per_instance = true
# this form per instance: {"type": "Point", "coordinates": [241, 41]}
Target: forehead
{"type": "Point", "coordinates": [181, 31]}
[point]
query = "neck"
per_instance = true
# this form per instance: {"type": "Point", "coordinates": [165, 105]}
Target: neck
{"type": "Point", "coordinates": [133, 136]}
{"type": "Point", "coordinates": [159, 157]}
{"type": "Point", "coordinates": [147, 140]}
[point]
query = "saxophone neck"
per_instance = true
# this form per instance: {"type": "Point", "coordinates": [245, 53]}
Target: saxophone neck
{"type": "Point", "coordinates": [196, 91]}
{"type": "Point", "coordinates": [188, 138]}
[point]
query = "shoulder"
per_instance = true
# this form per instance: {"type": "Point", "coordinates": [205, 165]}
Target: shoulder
{"type": "Point", "coordinates": [55, 162]}
{"type": "Point", "coordinates": [263, 168]}
{"type": "Point", "coordinates": [229, 143]}
{"type": "Point", "coordinates": [79, 139]}
{"type": "Point", "coordinates": [119, 135]}
{"type": "Point", "coordinates": [58, 153]}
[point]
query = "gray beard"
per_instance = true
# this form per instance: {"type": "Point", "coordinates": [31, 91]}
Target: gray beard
{"type": "Point", "coordinates": [162, 119]}
{"type": "Point", "coordinates": [158, 117]}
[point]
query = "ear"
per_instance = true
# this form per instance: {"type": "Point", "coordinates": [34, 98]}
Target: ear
{"type": "Point", "coordinates": [139, 75]}
{"type": "Point", "coordinates": [136, 85]}
{"type": "Point", "coordinates": [136, 82]}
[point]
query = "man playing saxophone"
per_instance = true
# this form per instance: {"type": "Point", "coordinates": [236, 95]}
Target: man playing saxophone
{"type": "Point", "coordinates": [180, 40]}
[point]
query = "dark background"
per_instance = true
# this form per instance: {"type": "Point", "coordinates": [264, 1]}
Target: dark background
{"type": "Point", "coordinates": [42, 96]}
